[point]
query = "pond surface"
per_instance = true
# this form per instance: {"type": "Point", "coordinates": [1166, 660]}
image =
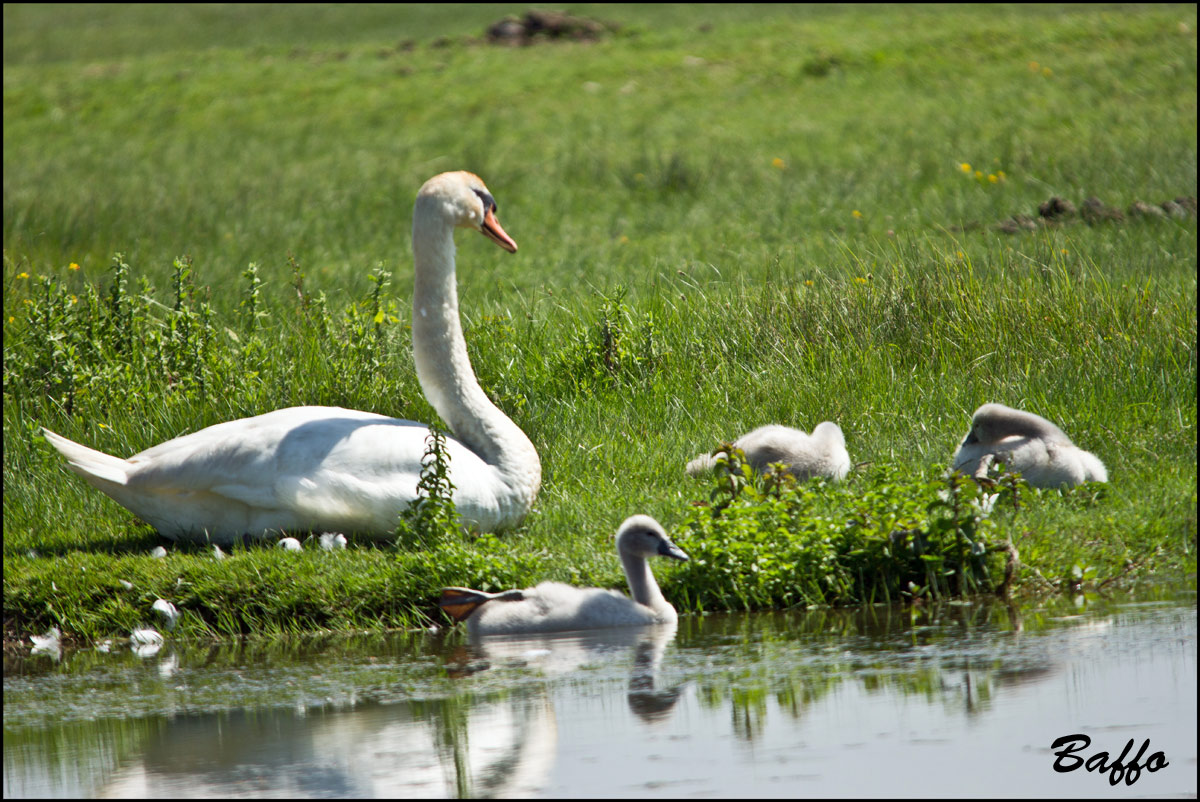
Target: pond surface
{"type": "Point", "coordinates": [942, 701]}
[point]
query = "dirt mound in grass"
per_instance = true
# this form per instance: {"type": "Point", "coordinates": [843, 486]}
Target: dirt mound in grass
{"type": "Point", "coordinates": [539, 26]}
{"type": "Point", "coordinates": [1058, 211]}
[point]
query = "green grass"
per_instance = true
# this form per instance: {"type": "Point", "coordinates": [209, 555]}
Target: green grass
{"type": "Point", "coordinates": [769, 212]}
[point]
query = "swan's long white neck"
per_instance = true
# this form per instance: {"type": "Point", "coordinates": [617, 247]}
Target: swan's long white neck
{"type": "Point", "coordinates": [642, 585]}
{"type": "Point", "coordinates": [444, 369]}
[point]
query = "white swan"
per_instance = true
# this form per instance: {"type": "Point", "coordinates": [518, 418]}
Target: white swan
{"type": "Point", "coordinates": [822, 453]}
{"type": "Point", "coordinates": [555, 607]}
{"type": "Point", "coordinates": [1027, 443]}
{"type": "Point", "coordinates": [327, 468]}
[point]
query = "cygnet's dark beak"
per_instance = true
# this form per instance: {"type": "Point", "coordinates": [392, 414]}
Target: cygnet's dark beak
{"type": "Point", "coordinates": [492, 229]}
{"type": "Point", "coordinates": [668, 549]}
{"type": "Point", "coordinates": [970, 439]}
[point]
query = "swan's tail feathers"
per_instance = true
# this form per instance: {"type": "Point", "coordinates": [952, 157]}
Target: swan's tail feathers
{"type": "Point", "coordinates": [1094, 470]}
{"type": "Point", "coordinates": [459, 603]}
{"type": "Point", "coordinates": [87, 461]}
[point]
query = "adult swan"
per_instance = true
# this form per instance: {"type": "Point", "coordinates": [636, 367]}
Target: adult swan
{"type": "Point", "coordinates": [328, 468]}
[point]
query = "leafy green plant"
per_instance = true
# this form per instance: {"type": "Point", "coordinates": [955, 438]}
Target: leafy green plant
{"type": "Point", "coordinates": [767, 541]}
{"type": "Point", "coordinates": [616, 348]}
{"type": "Point", "coordinates": [432, 516]}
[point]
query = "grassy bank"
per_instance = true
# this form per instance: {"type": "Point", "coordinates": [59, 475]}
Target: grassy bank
{"type": "Point", "coordinates": [781, 215]}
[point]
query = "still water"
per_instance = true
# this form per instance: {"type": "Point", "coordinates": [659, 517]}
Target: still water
{"type": "Point", "coordinates": [944, 701]}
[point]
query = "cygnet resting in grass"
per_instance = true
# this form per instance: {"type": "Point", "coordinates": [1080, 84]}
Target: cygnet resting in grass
{"type": "Point", "coordinates": [822, 453]}
{"type": "Point", "coordinates": [1028, 444]}
{"type": "Point", "coordinates": [556, 607]}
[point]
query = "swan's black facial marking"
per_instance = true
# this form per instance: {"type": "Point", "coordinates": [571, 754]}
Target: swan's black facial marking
{"type": "Point", "coordinates": [489, 203]}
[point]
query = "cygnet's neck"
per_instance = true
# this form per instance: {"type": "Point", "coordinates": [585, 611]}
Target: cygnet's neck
{"type": "Point", "coordinates": [443, 367]}
{"type": "Point", "coordinates": [642, 585]}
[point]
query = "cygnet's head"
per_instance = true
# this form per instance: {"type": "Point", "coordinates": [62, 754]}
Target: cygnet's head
{"type": "Point", "coordinates": [643, 536]}
{"type": "Point", "coordinates": [991, 423]}
{"type": "Point", "coordinates": [462, 199]}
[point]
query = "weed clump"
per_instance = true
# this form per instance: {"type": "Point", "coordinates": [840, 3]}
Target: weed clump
{"type": "Point", "coordinates": [432, 515]}
{"type": "Point", "coordinates": [71, 349]}
{"type": "Point", "coordinates": [769, 542]}
{"type": "Point", "coordinates": [618, 348]}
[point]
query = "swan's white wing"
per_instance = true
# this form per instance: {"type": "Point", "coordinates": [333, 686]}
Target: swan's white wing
{"type": "Point", "coordinates": [301, 467]}
{"type": "Point", "coordinates": [249, 459]}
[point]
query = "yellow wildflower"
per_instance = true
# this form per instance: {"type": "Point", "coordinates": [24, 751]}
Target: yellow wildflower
{"type": "Point", "coordinates": [1000, 175]}
{"type": "Point", "coordinates": [777, 163]}
{"type": "Point", "coordinates": [966, 168]}
{"type": "Point", "coordinates": [808, 283]}
{"type": "Point", "coordinates": [1065, 251]}
{"type": "Point", "coordinates": [22, 274]}
{"type": "Point", "coordinates": [1033, 66]}
{"type": "Point", "coordinates": [1046, 71]}
{"type": "Point", "coordinates": [624, 239]}
{"type": "Point", "coordinates": [960, 254]}
{"type": "Point", "coordinates": [857, 214]}
{"type": "Point", "coordinates": [978, 174]}
{"type": "Point", "coordinates": [73, 266]}
{"type": "Point", "coordinates": [860, 279]}
{"type": "Point", "coordinates": [12, 319]}
{"type": "Point", "coordinates": [992, 178]}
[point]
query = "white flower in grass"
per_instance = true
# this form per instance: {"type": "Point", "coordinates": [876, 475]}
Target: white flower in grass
{"type": "Point", "coordinates": [220, 555]}
{"type": "Point", "coordinates": [290, 544]}
{"type": "Point", "coordinates": [158, 553]}
{"type": "Point", "coordinates": [987, 503]}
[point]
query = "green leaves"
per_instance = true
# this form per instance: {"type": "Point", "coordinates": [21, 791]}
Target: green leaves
{"type": "Point", "coordinates": [432, 516]}
{"type": "Point", "coordinates": [617, 348]}
{"type": "Point", "coordinates": [766, 542]}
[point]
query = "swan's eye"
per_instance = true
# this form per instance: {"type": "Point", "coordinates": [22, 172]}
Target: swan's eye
{"type": "Point", "coordinates": [488, 202]}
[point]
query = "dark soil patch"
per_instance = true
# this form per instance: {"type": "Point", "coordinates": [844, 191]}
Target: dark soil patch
{"type": "Point", "coordinates": [542, 26]}
{"type": "Point", "coordinates": [1059, 211]}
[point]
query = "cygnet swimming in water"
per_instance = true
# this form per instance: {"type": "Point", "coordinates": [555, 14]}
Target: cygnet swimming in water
{"type": "Point", "coordinates": [557, 607]}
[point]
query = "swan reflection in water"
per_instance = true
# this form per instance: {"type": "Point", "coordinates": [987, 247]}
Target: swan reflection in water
{"type": "Point", "coordinates": [500, 745]}
{"type": "Point", "coordinates": [560, 653]}
{"type": "Point", "coordinates": [473, 743]}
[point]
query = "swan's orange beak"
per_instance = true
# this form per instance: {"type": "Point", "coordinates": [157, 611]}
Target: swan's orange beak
{"type": "Point", "coordinates": [495, 232]}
